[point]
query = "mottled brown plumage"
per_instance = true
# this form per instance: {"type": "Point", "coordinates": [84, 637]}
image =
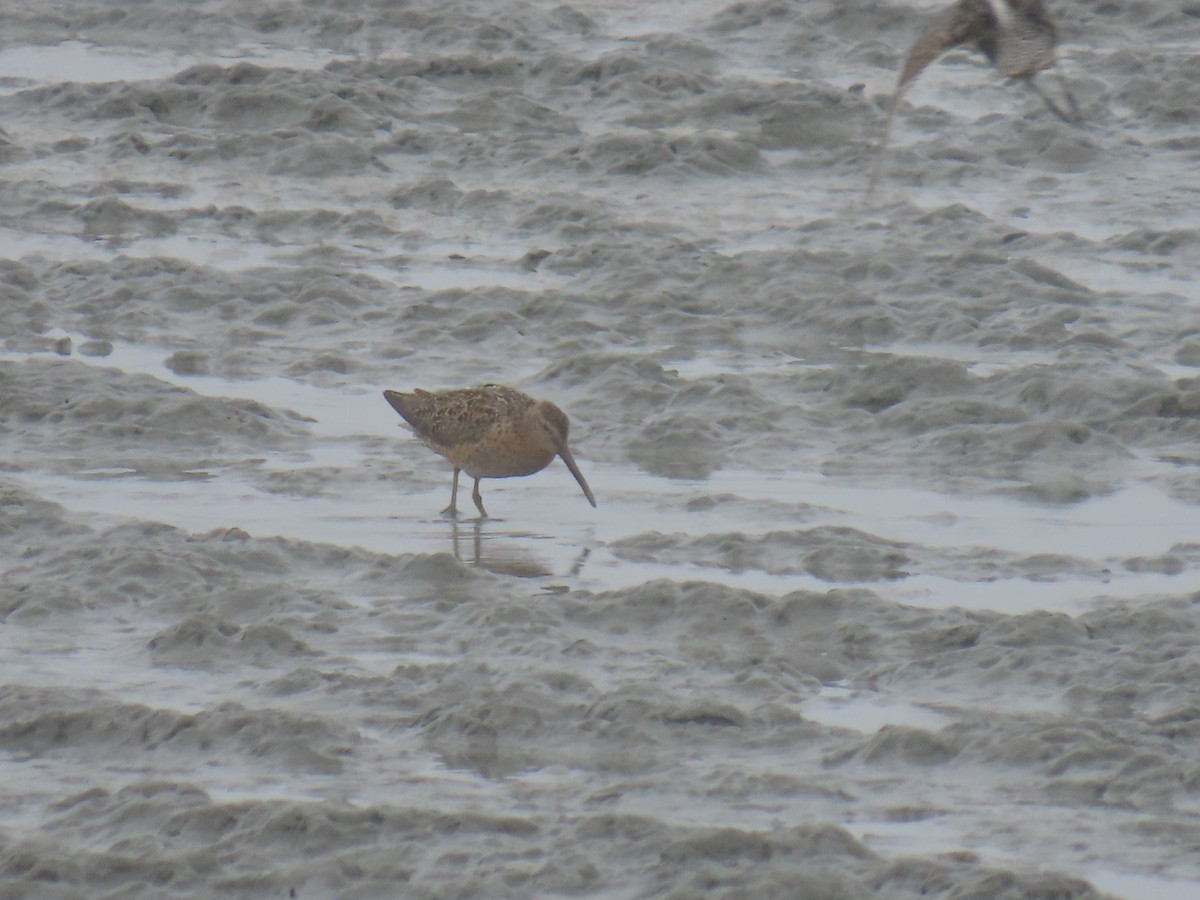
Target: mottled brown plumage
{"type": "Point", "coordinates": [490, 431]}
{"type": "Point", "coordinates": [1017, 36]}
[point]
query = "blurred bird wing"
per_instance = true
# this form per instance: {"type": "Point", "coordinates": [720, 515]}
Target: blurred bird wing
{"type": "Point", "coordinates": [963, 23]}
{"type": "Point", "coordinates": [1026, 45]}
{"type": "Point", "coordinates": [958, 29]}
{"type": "Point", "coordinates": [1033, 8]}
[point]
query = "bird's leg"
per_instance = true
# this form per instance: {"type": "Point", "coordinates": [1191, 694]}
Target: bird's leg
{"type": "Point", "coordinates": [1071, 118]}
{"type": "Point", "coordinates": [478, 500]}
{"type": "Point", "coordinates": [877, 168]}
{"type": "Point", "coordinates": [1076, 114]}
{"type": "Point", "coordinates": [452, 509]}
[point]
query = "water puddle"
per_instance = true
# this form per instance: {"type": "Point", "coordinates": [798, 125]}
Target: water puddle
{"type": "Point", "coordinates": [842, 707]}
{"type": "Point", "coordinates": [1136, 887]}
{"type": "Point", "coordinates": [953, 832]}
{"type": "Point", "coordinates": [76, 61]}
{"type": "Point", "coordinates": [434, 273]}
{"type": "Point", "coordinates": [21, 67]}
{"type": "Point", "coordinates": [979, 361]}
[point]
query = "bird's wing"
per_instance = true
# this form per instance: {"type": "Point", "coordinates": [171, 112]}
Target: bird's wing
{"type": "Point", "coordinates": [1035, 9]}
{"type": "Point", "coordinates": [964, 21]}
{"type": "Point", "coordinates": [450, 418]}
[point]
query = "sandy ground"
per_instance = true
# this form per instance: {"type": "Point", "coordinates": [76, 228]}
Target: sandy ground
{"type": "Point", "coordinates": [894, 585]}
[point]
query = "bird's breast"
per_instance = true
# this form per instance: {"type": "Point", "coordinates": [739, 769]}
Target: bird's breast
{"type": "Point", "coordinates": [503, 453]}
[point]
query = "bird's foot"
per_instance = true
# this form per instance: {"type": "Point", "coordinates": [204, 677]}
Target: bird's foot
{"type": "Point", "coordinates": [1072, 115]}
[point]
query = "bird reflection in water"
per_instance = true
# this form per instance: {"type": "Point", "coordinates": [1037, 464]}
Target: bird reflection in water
{"type": "Point", "coordinates": [505, 557]}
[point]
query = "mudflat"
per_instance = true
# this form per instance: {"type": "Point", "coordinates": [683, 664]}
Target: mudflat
{"type": "Point", "coordinates": [891, 585]}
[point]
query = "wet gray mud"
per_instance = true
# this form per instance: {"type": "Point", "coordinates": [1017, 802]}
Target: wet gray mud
{"type": "Point", "coordinates": [893, 586]}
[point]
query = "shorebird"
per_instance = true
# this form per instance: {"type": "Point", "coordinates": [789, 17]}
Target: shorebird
{"type": "Point", "coordinates": [491, 431]}
{"type": "Point", "coordinates": [1017, 36]}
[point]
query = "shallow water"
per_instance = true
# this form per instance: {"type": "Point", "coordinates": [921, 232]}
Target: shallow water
{"type": "Point", "coordinates": [78, 61]}
{"type": "Point", "coordinates": [1137, 521]}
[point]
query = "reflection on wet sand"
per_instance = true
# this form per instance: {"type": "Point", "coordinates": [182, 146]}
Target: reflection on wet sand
{"type": "Point", "coordinates": [507, 557]}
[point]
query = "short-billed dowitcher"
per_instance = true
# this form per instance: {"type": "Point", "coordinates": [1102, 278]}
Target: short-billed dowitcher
{"type": "Point", "coordinates": [490, 431]}
{"type": "Point", "coordinates": [1017, 36]}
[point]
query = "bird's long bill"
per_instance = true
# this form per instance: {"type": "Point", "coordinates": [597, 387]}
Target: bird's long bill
{"type": "Point", "coordinates": [570, 461]}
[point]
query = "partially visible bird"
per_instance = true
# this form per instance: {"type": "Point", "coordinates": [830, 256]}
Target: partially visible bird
{"type": "Point", "coordinates": [1017, 36]}
{"type": "Point", "coordinates": [491, 431]}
